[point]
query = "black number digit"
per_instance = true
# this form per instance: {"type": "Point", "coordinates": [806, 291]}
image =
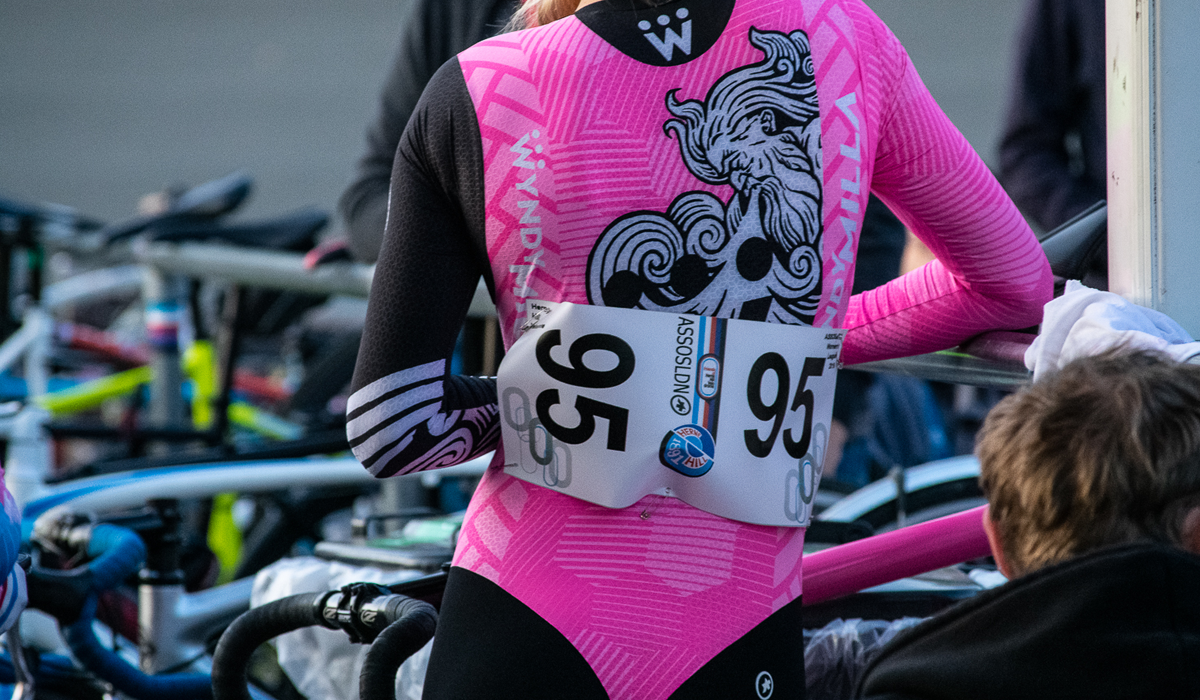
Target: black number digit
{"type": "Point", "coordinates": [813, 367]}
{"type": "Point", "coordinates": [589, 410]}
{"type": "Point", "coordinates": [618, 420]}
{"type": "Point", "coordinates": [774, 362]}
{"type": "Point", "coordinates": [579, 374]}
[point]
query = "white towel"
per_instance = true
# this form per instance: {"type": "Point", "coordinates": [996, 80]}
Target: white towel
{"type": "Point", "coordinates": [1085, 321]}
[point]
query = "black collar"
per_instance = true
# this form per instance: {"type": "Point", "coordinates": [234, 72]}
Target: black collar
{"type": "Point", "coordinates": [664, 34]}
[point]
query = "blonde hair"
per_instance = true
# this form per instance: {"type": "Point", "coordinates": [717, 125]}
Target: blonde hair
{"type": "Point", "coordinates": [535, 13]}
{"type": "Point", "coordinates": [1105, 452]}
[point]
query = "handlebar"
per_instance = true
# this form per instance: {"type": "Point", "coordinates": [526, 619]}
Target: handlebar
{"type": "Point", "coordinates": [115, 552]}
{"type": "Point", "coordinates": [252, 629]}
{"type": "Point", "coordinates": [367, 612]}
{"type": "Point", "coordinates": [106, 664]}
{"type": "Point", "coordinates": [71, 596]}
{"type": "Point", "coordinates": [414, 624]}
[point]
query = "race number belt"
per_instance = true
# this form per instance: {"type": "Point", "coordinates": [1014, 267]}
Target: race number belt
{"type": "Point", "coordinates": [609, 405]}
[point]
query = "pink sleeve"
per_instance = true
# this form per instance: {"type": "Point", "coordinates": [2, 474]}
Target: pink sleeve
{"type": "Point", "coordinates": [990, 272]}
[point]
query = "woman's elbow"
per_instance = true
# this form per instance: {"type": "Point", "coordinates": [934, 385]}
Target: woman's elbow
{"type": "Point", "coordinates": [1024, 298]}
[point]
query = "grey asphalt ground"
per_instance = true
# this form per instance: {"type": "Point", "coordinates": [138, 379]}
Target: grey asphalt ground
{"type": "Point", "coordinates": [106, 100]}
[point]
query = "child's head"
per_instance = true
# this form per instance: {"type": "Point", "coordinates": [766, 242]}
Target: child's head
{"type": "Point", "coordinates": [1104, 452]}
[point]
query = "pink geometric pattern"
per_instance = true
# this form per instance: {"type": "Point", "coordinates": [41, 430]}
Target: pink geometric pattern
{"type": "Point", "coordinates": [647, 594]}
{"type": "Point", "coordinates": [572, 138]}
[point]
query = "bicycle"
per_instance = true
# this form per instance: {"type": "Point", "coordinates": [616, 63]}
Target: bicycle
{"type": "Point", "coordinates": [194, 215]}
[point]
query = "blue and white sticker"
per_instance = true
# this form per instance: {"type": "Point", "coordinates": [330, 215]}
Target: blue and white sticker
{"type": "Point", "coordinates": [689, 450]}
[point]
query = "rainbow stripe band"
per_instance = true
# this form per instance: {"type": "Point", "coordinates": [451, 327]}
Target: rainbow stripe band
{"type": "Point", "coordinates": [709, 364]}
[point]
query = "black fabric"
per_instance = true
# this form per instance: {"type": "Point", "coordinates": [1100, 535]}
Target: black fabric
{"type": "Point", "coordinates": [1052, 154]}
{"type": "Point", "coordinates": [435, 237]}
{"type": "Point", "coordinates": [1122, 622]}
{"type": "Point", "coordinates": [659, 33]}
{"type": "Point", "coordinates": [880, 248]}
{"type": "Point", "coordinates": [767, 662]}
{"type": "Point", "coordinates": [434, 31]}
{"type": "Point", "coordinates": [491, 645]}
{"type": "Point", "coordinates": [468, 392]}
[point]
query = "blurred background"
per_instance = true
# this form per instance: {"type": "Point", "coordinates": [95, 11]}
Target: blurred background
{"type": "Point", "coordinates": [104, 101]}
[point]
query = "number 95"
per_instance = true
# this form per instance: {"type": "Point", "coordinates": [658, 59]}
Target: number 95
{"type": "Point", "coordinates": [775, 411]}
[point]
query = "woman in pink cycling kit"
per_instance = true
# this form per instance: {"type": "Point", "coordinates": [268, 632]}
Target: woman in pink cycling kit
{"type": "Point", "coordinates": [705, 159]}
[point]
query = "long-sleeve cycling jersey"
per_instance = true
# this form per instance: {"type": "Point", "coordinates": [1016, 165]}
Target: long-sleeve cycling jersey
{"type": "Point", "coordinates": [701, 156]}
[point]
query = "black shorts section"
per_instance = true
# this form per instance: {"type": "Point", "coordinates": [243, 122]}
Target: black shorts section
{"type": "Point", "coordinates": [491, 645]}
{"type": "Point", "coordinates": [767, 663]}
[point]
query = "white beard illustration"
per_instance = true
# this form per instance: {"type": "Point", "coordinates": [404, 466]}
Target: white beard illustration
{"type": "Point", "coordinates": [757, 256]}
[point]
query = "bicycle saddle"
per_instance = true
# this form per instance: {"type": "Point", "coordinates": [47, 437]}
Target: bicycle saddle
{"type": "Point", "coordinates": [202, 202]}
{"type": "Point", "coordinates": [293, 232]}
{"type": "Point", "coordinates": [43, 214]}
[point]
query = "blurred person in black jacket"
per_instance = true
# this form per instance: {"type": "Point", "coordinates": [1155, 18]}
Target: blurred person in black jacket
{"type": "Point", "coordinates": [1052, 153]}
{"type": "Point", "coordinates": [434, 31]}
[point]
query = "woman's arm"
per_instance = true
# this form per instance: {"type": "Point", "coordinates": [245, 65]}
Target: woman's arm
{"type": "Point", "coordinates": [990, 272]}
{"type": "Point", "coordinates": [406, 412]}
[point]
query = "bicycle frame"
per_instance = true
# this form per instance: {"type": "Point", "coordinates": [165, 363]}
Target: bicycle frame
{"type": "Point", "coordinates": [908, 551]}
{"type": "Point", "coordinates": [28, 460]}
{"type": "Point", "coordinates": [175, 625]}
{"type": "Point", "coordinates": [131, 489]}
{"type": "Point", "coordinates": [877, 495]}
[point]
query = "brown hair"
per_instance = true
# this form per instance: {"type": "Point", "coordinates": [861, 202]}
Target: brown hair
{"type": "Point", "coordinates": [1106, 451]}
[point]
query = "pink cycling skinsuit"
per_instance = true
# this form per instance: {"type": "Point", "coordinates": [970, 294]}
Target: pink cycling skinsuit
{"type": "Point", "coordinates": [707, 157]}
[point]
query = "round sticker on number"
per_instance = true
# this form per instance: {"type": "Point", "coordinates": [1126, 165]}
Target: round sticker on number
{"type": "Point", "coordinates": [688, 450]}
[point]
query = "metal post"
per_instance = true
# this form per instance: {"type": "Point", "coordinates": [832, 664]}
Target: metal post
{"type": "Point", "coordinates": [28, 459]}
{"type": "Point", "coordinates": [1153, 94]}
{"type": "Point", "coordinates": [160, 588]}
{"type": "Point", "coordinates": [165, 297]}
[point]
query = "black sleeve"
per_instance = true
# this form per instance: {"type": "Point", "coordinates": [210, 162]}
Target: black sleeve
{"type": "Point", "coordinates": [1047, 103]}
{"type": "Point", "coordinates": [406, 413]}
{"type": "Point", "coordinates": [434, 31]}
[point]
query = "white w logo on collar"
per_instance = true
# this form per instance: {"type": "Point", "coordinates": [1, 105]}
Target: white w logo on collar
{"type": "Point", "coordinates": [670, 40]}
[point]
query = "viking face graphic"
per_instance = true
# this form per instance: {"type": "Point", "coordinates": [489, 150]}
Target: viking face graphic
{"type": "Point", "coordinates": [757, 256]}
